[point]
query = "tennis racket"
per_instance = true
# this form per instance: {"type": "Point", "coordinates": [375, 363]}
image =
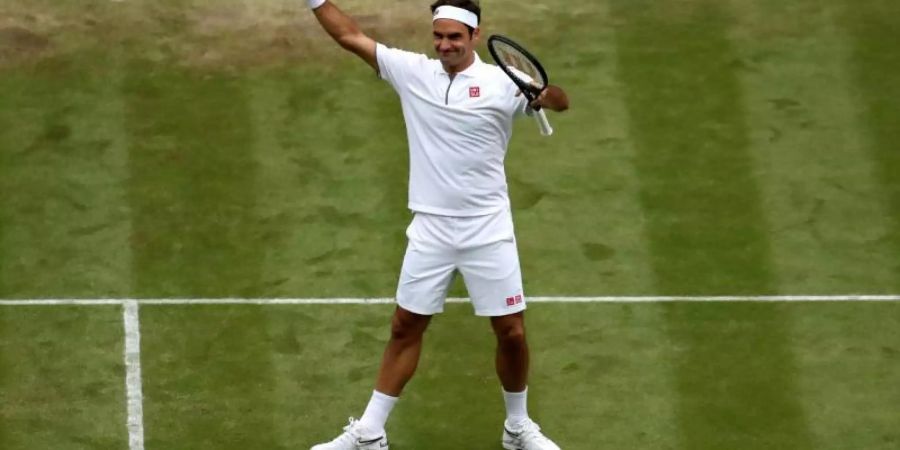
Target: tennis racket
{"type": "Point", "coordinates": [515, 61]}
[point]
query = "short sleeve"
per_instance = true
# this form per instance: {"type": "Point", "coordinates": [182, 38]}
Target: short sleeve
{"type": "Point", "coordinates": [396, 66]}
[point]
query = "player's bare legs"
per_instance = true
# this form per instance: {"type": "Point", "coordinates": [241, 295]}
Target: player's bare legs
{"type": "Point", "coordinates": [519, 431]}
{"type": "Point", "coordinates": [398, 364]}
{"type": "Point", "coordinates": [512, 351]}
{"type": "Point", "coordinates": [401, 356]}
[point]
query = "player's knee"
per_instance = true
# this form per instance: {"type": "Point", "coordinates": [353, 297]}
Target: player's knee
{"type": "Point", "coordinates": [406, 327]}
{"type": "Point", "coordinates": [511, 334]}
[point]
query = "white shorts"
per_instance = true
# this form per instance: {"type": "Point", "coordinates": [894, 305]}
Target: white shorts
{"type": "Point", "coordinates": [483, 250]}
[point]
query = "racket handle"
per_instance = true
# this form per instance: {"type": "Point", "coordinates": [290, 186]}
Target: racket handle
{"type": "Point", "coordinates": [543, 123]}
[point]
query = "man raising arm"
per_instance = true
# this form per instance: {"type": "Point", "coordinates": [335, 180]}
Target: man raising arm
{"type": "Point", "coordinates": [459, 113]}
{"type": "Point", "coordinates": [344, 30]}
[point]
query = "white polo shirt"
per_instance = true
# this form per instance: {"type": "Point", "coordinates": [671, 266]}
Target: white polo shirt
{"type": "Point", "coordinates": [458, 131]}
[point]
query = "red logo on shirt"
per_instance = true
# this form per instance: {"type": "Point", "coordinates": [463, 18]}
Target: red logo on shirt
{"type": "Point", "coordinates": [474, 91]}
{"type": "Point", "coordinates": [511, 301]}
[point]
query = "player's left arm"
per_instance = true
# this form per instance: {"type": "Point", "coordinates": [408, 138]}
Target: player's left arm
{"type": "Point", "coordinates": [553, 98]}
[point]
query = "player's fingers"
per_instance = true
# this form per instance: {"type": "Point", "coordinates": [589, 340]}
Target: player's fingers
{"type": "Point", "coordinates": [539, 101]}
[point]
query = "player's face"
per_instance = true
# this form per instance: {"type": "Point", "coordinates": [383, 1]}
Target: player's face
{"type": "Point", "coordinates": [452, 42]}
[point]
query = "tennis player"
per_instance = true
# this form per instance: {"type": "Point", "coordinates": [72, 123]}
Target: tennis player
{"type": "Point", "coordinates": [459, 113]}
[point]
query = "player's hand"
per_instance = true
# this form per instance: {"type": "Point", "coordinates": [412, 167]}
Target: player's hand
{"type": "Point", "coordinates": [539, 100]}
{"type": "Point", "coordinates": [552, 98]}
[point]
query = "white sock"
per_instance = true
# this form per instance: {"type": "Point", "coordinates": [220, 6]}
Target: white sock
{"type": "Point", "coordinates": [516, 407]}
{"type": "Point", "coordinates": [376, 415]}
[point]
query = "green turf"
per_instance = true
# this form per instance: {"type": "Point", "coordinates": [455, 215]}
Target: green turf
{"type": "Point", "coordinates": [871, 29]}
{"type": "Point", "coordinates": [705, 222]}
{"type": "Point", "coordinates": [315, 191]}
{"type": "Point", "coordinates": [338, 228]}
{"type": "Point", "coordinates": [706, 227]}
{"type": "Point", "coordinates": [812, 160]}
{"type": "Point", "coordinates": [603, 375]}
{"type": "Point", "coordinates": [61, 371]}
{"type": "Point", "coordinates": [208, 378]}
{"type": "Point", "coordinates": [193, 180]}
{"type": "Point", "coordinates": [62, 159]}
{"type": "Point", "coordinates": [848, 361]}
{"type": "Point", "coordinates": [189, 148]}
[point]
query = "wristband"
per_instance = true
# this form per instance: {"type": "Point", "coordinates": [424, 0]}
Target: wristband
{"type": "Point", "coordinates": [313, 4]}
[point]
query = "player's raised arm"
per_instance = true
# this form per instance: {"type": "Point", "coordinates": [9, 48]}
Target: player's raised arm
{"type": "Point", "coordinates": [344, 30]}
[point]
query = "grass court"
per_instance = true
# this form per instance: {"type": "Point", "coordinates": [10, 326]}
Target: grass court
{"type": "Point", "coordinates": [188, 149]}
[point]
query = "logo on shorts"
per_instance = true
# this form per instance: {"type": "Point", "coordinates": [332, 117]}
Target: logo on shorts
{"type": "Point", "coordinates": [512, 301]}
{"type": "Point", "coordinates": [474, 91]}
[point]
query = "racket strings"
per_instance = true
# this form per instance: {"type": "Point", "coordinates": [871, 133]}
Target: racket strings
{"type": "Point", "coordinates": [516, 60]}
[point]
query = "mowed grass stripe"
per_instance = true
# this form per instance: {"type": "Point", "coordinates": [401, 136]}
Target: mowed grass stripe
{"type": "Point", "coordinates": [65, 223]}
{"type": "Point", "coordinates": [849, 356]}
{"type": "Point", "coordinates": [62, 160]}
{"type": "Point", "coordinates": [602, 376]}
{"type": "Point", "coordinates": [332, 155]}
{"type": "Point", "coordinates": [817, 176]}
{"type": "Point", "coordinates": [5, 186]}
{"type": "Point", "coordinates": [326, 365]}
{"type": "Point", "coordinates": [193, 183]}
{"type": "Point", "coordinates": [279, 202]}
{"type": "Point", "coordinates": [873, 28]}
{"type": "Point", "coordinates": [61, 379]}
{"type": "Point", "coordinates": [825, 204]}
{"type": "Point", "coordinates": [207, 377]}
{"type": "Point", "coordinates": [331, 149]}
{"type": "Point", "coordinates": [10, 145]}
{"type": "Point", "coordinates": [707, 231]}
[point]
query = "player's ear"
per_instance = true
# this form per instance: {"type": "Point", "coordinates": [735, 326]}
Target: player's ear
{"type": "Point", "coordinates": [476, 35]}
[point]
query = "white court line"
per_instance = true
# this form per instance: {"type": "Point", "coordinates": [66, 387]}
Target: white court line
{"type": "Point", "coordinates": [133, 382]}
{"type": "Point", "coordinates": [389, 300]}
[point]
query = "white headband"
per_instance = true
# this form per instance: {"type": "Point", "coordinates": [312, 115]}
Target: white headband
{"type": "Point", "coordinates": [458, 14]}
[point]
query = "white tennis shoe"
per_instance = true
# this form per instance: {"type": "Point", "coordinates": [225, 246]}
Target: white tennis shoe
{"type": "Point", "coordinates": [355, 437]}
{"type": "Point", "coordinates": [526, 436]}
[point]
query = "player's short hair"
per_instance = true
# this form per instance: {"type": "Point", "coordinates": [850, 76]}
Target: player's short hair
{"type": "Point", "coordinates": [468, 5]}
